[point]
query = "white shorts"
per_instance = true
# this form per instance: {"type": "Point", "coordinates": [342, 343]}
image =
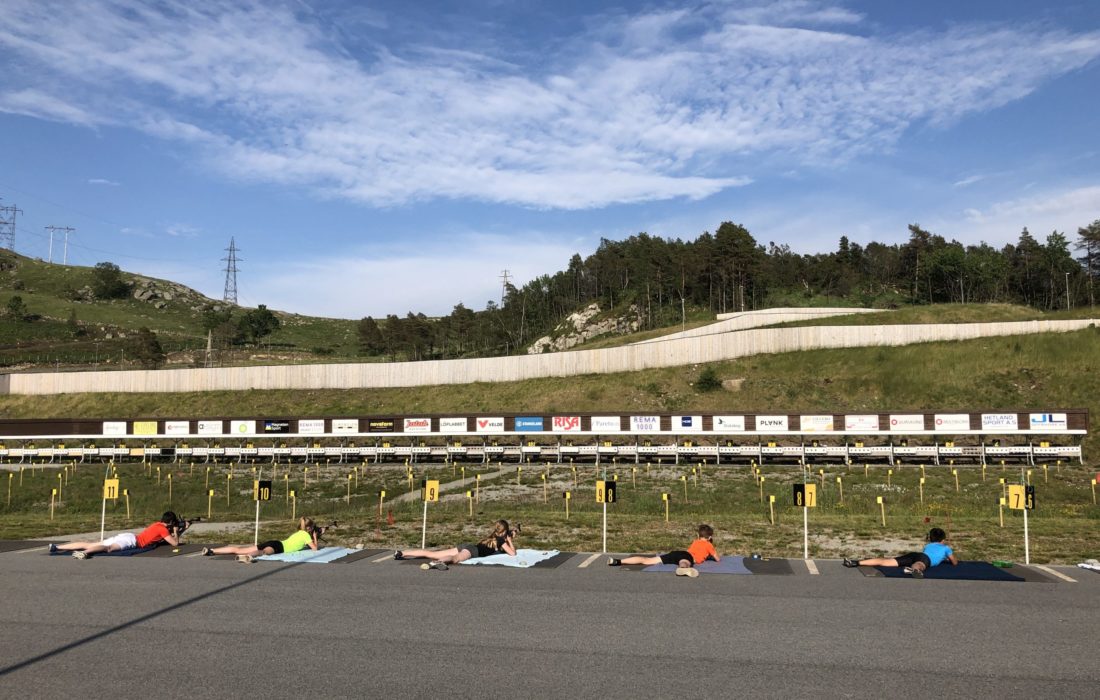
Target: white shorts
{"type": "Point", "coordinates": [126, 540]}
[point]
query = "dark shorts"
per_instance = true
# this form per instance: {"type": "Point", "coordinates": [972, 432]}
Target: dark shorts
{"type": "Point", "coordinates": [910, 558]}
{"type": "Point", "coordinates": [471, 548]}
{"type": "Point", "coordinates": [676, 557]}
{"type": "Point", "coordinates": [275, 545]}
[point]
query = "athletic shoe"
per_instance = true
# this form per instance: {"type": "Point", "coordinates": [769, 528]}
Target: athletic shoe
{"type": "Point", "coordinates": [689, 571]}
{"type": "Point", "coordinates": [851, 563]}
{"type": "Point", "coordinates": [207, 552]}
{"type": "Point", "coordinates": [246, 559]}
{"type": "Point", "coordinates": [399, 555]}
{"type": "Point", "coordinates": [52, 548]}
{"type": "Point", "coordinates": [915, 573]}
{"type": "Point", "coordinates": [612, 561]}
{"type": "Point", "coordinates": [80, 555]}
{"type": "Point", "coordinates": [438, 566]}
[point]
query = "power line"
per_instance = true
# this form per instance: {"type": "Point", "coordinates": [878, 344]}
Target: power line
{"type": "Point", "coordinates": [504, 286]}
{"type": "Point", "coordinates": [7, 226]}
{"type": "Point", "coordinates": [230, 294]}
{"type": "Point", "coordinates": [67, 230]}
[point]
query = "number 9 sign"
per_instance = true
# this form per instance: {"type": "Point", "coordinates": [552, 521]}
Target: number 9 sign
{"type": "Point", "coordinates": [430, 490]}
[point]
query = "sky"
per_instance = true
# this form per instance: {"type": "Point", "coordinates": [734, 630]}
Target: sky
{"type": "Point", "coordinates": [370, 158]}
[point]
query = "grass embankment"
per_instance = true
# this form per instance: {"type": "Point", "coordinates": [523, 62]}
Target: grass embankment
{"type": "Point", "coordinates": [1063, 528]}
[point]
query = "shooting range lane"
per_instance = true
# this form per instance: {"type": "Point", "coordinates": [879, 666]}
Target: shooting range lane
{"type": "Point", "coordinates": [965, 571]}
{"type": "Point", "coordinates": [561, 630]}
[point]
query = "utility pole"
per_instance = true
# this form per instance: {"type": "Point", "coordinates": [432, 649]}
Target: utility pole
{"type": "Point", "coordinates": [504, 286]}
{"type": "Point", "coordinates": [7, 226]}
{"type": "Point", "coordinates": [1067, 291]}
{"type": "Point", "coordinates": [67, 230]}
{"type": "Point", "coordinates": [230, 294]}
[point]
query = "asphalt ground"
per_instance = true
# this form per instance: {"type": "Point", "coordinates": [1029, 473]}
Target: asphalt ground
{"type": "Point", "coordinates": [188, 626]}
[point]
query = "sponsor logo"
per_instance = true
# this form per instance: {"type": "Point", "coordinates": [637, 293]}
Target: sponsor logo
{"type": "Point", "coordinates": [145, 427]}
{"type": "Point", "coordinates": [114, 428]}
{"type": "Point", "coordinates": [606, 424]}
{"type": "Point", "coordinates": [311, 426]}
{"type": "Point", "coordinates": [418, 425]}
{"type": "Point", "coordinates": [452, 425]}
{"type": "Point", "coordinates": [645, 424]}
{"type": "Point", "coordinates": [1048, 421]}
{"type": "Point", "coordinates": [907, 422]}
{"type": "Point", "coordinates": [380, 425]}
{"type": "Point", "coordinates": [489, 425]}
{"type": "Point", "coordinates": [687, 424]}
{"type": "Point", "coordinates": [999, 421]}
{"type": "Point", "coordinates": [728, 423]}
{"type": "Point", "coordinates": [177, 427]}
{"type": "Point", "coordinates": [276, 426]}
{"type": "Point", "coordinates": [566, 424]}
{"type": "Point", "coordinates": [242, 427]}
{"type": "Point", "coordinates": [866, 422]}
{"type": "Point", "coordinates": [771, 422]}
{"type": "Point", "coordinates": [345, 425]}
{"type": "Point", "coordinates": [816, 424]}
{"type": "Point", "coordinates": [210, 427]}
{"type": "Point", "coordinates": [528, 424]}
{"type": "Point", "coordinates": [947, 422]}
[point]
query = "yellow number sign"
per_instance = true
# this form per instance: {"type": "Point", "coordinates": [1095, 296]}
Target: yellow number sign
{"type": "Point", "coordinates": [261, 490]}
{"type": "Point", "coordinates": [1016, 496]}
{"type": "Point", "coordinates": [1021, 497]}
{"type": "Point", "coordinates": [110, 489]}
{"type": "Point", "coordinates": [431, 490]}
{"type": "Point", "coordinates": [805, 495]}
{"type": "Point", "coordinates": [605, 491]}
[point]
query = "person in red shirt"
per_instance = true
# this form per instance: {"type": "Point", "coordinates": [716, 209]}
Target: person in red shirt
{"type": "Point", "coordinates": [699, 551]}
{"type": "Point", "coordinates": [164, 530]}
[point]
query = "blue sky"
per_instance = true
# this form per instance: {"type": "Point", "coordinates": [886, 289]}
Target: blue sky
{"type": "Point", "coordinates": [381, 157]}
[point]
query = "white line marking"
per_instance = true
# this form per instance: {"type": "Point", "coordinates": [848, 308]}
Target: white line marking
{"type": "Point", "coordinates": [1055, 573]}
{"type": "Point", "coordinates": [384, 557]}
{"type": "Point", "coordinates": [811, 566]}
{"type": "Point", "coordinates": [584, 564]}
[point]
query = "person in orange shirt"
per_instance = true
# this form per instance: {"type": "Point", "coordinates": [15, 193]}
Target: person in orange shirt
{"type": "Point", "coordinates": [699, 551]}
{"type": "Point", "coordinates": [167, 529]}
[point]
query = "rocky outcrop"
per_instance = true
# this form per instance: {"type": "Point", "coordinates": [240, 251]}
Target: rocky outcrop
{"type": "Point", "coordinates": [580, 327]}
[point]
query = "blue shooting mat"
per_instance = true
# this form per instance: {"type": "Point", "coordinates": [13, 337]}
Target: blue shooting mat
{"type": "Point", "coordinates": [727, 565]}
{"type": "Point", "coordinates": [524, 559]}
{"type": "Point", "coordinates": [964, 571]}
{"type": "Point", "coordinates": [309, 556]}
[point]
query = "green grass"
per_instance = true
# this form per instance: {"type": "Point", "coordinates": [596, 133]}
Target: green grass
{"type": "Point", "coordinates": [1062, 528]}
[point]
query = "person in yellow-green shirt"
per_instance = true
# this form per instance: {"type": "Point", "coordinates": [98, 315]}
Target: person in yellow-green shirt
{"type": "Point", "coordinates": [306, 536]}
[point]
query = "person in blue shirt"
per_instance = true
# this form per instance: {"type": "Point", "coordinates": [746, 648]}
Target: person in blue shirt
{"type": "Point", "coordinates": [915, 564]}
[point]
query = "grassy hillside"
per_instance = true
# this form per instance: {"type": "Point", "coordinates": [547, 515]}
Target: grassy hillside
{"type": "Point", "coordinates": [55, 295]}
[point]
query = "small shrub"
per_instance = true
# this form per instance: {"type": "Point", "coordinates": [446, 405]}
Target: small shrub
{"type": "Point", "coordinates": [708, 381]}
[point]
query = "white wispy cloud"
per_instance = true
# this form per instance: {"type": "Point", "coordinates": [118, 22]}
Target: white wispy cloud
{"type": "Point", "coordinates": [1063, 210]}
{"type": "Point", "coordinates": [104, 182]}
{"type": "Point", "coordinates": [178, 230]}
{"type": "Point", "coordinates": [657, 105]}
{"type": "Point", "coordinates": [357, 282]}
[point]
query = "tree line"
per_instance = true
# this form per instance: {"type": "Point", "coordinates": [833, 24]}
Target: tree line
{"type": "Point", "coordinates": [659, 280]}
